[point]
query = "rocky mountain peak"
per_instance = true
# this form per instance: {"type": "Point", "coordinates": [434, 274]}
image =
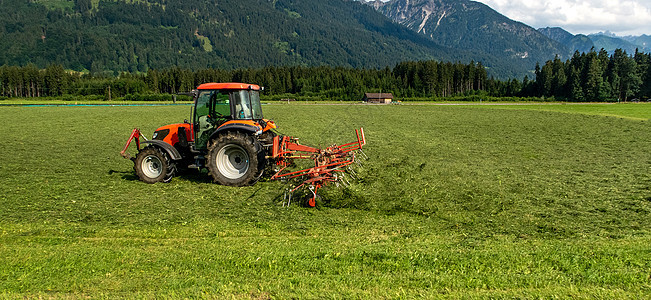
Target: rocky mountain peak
{"type": "Point", "coordinates": [465, 24]}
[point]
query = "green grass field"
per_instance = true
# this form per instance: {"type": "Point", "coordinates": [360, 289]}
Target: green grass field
{"type": "Point", "coordinates": [636, 111]}
{"type": "Point", "coordinates": [454, 202]}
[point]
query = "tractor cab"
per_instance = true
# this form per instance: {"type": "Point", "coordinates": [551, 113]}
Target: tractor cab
{"type": "Point", "coordinates": [224, 106]}
{"type": "Point", "coordinates": [228, 101]}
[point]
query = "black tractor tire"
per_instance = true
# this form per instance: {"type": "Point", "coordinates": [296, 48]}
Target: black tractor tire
{"type": "Point", "coordinates": [235, 159]}
{"type": "Point", "coordinates": [266, 140]}
{"type": "Point", "coordinates": [153, 164]}
{"type": "Point", "coordinates": [267, 137]}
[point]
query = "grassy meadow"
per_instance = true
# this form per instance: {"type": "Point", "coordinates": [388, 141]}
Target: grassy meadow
{"type": "Point", "coordinates": [635, 111]}
{"type": "Point", "coordinates": [455, 201]}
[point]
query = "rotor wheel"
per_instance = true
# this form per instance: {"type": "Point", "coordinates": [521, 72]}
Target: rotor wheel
{"type": "Point", "coordinates": [312, 200]}
{"type": "Point", "coordinates": [235, 159]}
{"type": "Point", "coordinates": [152, 165]}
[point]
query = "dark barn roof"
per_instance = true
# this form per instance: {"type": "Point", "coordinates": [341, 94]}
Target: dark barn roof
{"type": "Point", "coordinates": [378, 95]}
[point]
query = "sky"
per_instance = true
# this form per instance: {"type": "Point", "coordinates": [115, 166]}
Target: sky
{"type": "Point", "coordinates": [623, 17]}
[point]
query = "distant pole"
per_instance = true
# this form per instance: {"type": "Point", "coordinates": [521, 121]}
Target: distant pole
{"type": "Point", "coordinates": [109, 93]}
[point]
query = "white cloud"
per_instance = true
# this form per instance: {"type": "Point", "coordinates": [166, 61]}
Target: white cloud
{"type": "Point", "coordinates": [623, 17]}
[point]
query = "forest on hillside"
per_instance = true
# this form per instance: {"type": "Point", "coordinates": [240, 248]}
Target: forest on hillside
{"type": "Point", "coordinates": [591, 76]}
{"type": "Point", "coordinates": [137, 36]}
{"type": "Point", "coordinates": [115, 36]}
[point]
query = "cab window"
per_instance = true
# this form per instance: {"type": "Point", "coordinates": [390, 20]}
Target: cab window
{"type": "Point", "coordinates": [256, 108]}
{"type": "Point", "coordinates": [242, 104]}
{"type": "Point", "coordinates": [247, 104]}
{"type": "Point", "coordinates": [203, 102]}
{"type": "Point", "coordinates": [220, 100]}
{"type": "Point", "coordinates": [222, 105]}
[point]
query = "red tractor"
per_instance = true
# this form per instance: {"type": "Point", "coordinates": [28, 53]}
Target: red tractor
{"type": "Point", "coordinates": [229, 136]}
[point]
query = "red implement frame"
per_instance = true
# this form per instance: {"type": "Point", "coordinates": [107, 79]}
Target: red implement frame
{"type": "Point", "coordinates": [327, 162]}
{"type": "Point", "coordinates": [135, 134]}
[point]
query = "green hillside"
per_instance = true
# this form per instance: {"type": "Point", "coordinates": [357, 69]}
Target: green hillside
{"type": "Point", "coordinates": [136, 36]}
{"type": "Point", "coordinates": [579, 42]}
{"type": "Point", "coordinates": [643, 42]}
{"type": "Point", "coordinates": [141, 35]}
{"type": "Point", "coordinates": [610, 43]}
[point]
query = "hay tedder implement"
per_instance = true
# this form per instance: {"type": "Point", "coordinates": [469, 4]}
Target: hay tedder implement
{"type": "Point", "coordinates": [229, 137]}
{"type": "Point", "coordinates": [329, 163]}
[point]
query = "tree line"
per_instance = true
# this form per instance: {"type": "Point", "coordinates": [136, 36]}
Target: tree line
{"type": "Point", "coordinates": [591, 76]}
{"type": "Point", "coordinates": [407, 79]}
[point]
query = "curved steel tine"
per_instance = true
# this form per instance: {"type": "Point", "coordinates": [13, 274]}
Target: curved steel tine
{"type": "Point", "coordinates": [363, 155]}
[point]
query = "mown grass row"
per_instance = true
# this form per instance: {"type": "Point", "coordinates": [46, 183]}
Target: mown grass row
{"type": "Point", "coordinates": [455, 201]}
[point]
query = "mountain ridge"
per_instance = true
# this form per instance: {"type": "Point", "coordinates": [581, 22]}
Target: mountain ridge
{"type": "Point", "coordinates": [579, 42]}
{"type": "Point", "coordinates": [464, 24]}
{"type": "Point", "coordinates": [602, 40]}
{"type": "Point", "coordinates": [136, 36]}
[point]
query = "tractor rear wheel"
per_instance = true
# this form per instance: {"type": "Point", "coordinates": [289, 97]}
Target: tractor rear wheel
{"type": "Point", "coordinates": [152, 165]}
{"type": "Point", "coordinates": [235, 159]}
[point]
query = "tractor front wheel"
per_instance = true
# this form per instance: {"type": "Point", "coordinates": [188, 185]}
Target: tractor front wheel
{"type": "Point", "coordinates": [235, 159]}
{"type": "Point", "coordinates": [154, 165]}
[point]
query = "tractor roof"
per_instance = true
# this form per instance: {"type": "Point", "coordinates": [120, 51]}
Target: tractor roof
{"type": "Point", "coordinates": [228, 86]}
